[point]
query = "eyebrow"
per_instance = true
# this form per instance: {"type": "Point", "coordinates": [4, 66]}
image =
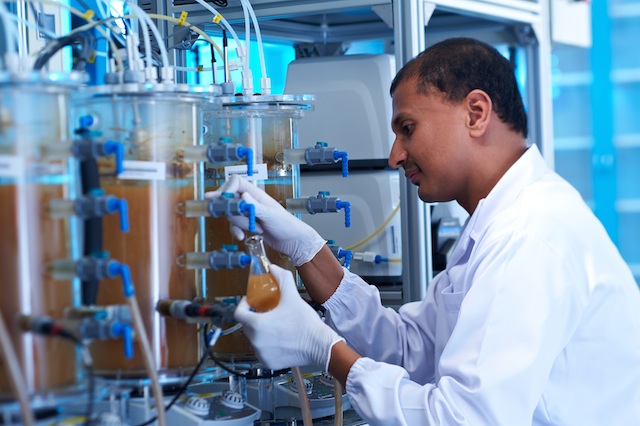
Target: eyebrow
{"type": "Point", "coordinates": [397, 120]}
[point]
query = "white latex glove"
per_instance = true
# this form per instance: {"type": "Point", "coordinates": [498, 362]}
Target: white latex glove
{"type": "Point", "coordinates": [282, 230]}
{"type": "Point", "coordinates": [290, 335]}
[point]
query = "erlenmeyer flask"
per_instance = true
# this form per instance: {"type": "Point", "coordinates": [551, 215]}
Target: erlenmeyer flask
{"type": "Point", "coordinates": [263, 291]}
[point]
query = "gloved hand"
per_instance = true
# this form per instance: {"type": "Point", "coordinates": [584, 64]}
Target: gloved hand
{"type": "Point", "coordinates": [290, 335]}
{"type": "Point", "coordinates": [282, 230]}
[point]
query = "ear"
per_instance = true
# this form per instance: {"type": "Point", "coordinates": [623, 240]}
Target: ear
{"type": "Point", "coordinates": [479, 108]}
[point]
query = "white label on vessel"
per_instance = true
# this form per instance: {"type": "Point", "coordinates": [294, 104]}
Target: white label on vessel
{"type": "Point", "coordinates": [11, 166]}
{"type": "Point", "coordinates": [259, 172]}
{"type": "Point", "coordinates": [143, 170]}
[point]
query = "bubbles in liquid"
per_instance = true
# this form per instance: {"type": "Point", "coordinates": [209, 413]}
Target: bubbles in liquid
{"type": "Point", "coordinates": [263, 292]}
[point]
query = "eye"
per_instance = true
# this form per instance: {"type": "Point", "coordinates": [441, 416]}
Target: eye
{"type": "Point", "coordinates": [407, 129]}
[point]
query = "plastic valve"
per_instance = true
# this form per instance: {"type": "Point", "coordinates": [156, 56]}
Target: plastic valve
{"type": "Point", "coordinates": [120, 205]}
{"type": "Point", "coordinates": [347, 211]}
{"type": "Point", "coordinates": [121, 269]}
{"type": "Point", "coordinates": [347, 255]}
{"type": "Point", "coordinates": [341, 155]}
{"type": "Point", "coordinates": [248, 154]}
{"type": "Point", "coordinates": [124, 330]}
{"type": "Point", "coordinates": [250, 211]}
{"type": "Point", "coordinates": [117, 148]}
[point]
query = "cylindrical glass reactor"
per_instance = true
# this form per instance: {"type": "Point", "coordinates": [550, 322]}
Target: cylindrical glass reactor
{"type": "Point", "coordinates": [155, 127]}
{"type": "Point", "coordinates": [268, 126]}
{"type": "Point", "coordinates": [36, 167]}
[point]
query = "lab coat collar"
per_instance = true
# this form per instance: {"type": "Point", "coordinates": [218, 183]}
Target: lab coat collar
{"type": "Point", "coordinates": [527, 169]}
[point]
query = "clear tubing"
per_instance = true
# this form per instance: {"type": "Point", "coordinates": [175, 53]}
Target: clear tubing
{"type": "Point", "coordinates": [156, 33]}
{"type": "Point", "coordinates": [78, 13]}
{"type": "Point", "coordinates": [10, 29]}
{"type": "Point", "coordinates": [62, 208]}
{"type": "Point", "coordinates": [196, 260]}
{"type": "Point", "coordinates": [302, 396]}
{"type": "Point", "coordinates": [337, 397]}
{"type": "Point", "coordinates": [263, 67]}
{"type": "Point", "coordinates": [194, 208]}
{"type": "Point", "coordinates": [227, 27]}
{"type": "Point", "coordinates": [195, 153]}
{"type": "Point", "coordinates": [138, 325]}
{"type": "Point", "coordinates": [33, 25]}
{"type": "Point", "coordinates": [294, 156]}
{"type": "Point", "coordinates": [145, 33]}
{"type": "Point", "coordinates": [15, 373]}
{"type": "Point", "coordinates": [297, 205]}
{"type": "Point", "coordinates": [247, 32]}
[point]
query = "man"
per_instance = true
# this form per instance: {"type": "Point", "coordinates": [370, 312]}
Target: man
{"type": "Point", "coordinates": [536, 319]}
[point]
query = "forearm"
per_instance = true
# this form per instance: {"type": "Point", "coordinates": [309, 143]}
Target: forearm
{"type": "Point", "coordinates": [321, 275]}
{"type": "Point", "coordinates": [341, 361]}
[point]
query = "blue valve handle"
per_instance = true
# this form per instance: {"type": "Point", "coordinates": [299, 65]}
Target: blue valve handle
{"type": "Point", "coordinates": [250, 210]}
{"type": "Point", "coordinates": [347, 211]}
{"type": "Point", "coordinates": [341, 155]}
{"type": "Point", "coordinates": [348, 255]}
{"type": "Point", "coordinates": [117, 148]}
{"type": "Point", "coordinates": [120, 205]}
{"type": "Point", "coordinates": [248, 154]}
{"type": "Point", "coordinates": [121, 269]}
{"type": "Point", "coordinates": [124, 330]}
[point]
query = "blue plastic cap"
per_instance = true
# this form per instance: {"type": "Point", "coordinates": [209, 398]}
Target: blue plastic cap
{"type": "Point", "coordinates": [245, 260]}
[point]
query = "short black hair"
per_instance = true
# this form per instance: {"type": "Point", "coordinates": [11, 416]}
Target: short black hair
{"type": "Point", "coordinates": [456, 66]}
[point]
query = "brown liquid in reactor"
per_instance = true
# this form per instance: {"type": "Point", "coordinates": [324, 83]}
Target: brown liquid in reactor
{"type": "Point", "coordinates": [157, 236]}
{"type": "Point", "coordinates": [26, 230]}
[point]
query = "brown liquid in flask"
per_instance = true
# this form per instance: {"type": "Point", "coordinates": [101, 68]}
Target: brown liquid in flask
{"type": "Point", "coordinates": [263, 291]}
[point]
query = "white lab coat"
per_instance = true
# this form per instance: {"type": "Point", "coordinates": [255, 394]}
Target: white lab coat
{"type": "Point", "coordinates": [535, 321]}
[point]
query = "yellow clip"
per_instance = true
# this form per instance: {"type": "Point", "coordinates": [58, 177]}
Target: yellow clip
{"type": "Point", "coordinates": [88, 15]}
{"type": "Point", "coordinates": [200, 68]}
{"type": "Point", "coordinates": [92, 59]}
{"type": "Point", "coordinates": [183, 18]}
{"type": "Point", "coordinates": [217, 18]}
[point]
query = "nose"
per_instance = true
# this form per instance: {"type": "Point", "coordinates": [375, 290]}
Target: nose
{"type": "Point", "coordinates": [397, 156]}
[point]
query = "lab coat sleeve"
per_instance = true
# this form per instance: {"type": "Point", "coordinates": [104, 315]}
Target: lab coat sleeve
{"type": "Point", "coordinates": [513, 323]}
{"type": "Point", "coordinates": [404, 338]}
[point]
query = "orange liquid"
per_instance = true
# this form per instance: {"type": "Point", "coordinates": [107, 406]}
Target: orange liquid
{"type": "Point", "coordinates": [263, 292]}
{"type": "Point", "coordinates": [47, 363]}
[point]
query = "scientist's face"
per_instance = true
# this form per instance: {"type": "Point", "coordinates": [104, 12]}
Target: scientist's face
{"type": "Point", "coordinates": [429, 145]}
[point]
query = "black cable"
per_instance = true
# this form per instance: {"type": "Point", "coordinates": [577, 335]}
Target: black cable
{"type": "Point", "coordinates": [220, 3]}
{"type": "Point", "coordinates": [85, 40]}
